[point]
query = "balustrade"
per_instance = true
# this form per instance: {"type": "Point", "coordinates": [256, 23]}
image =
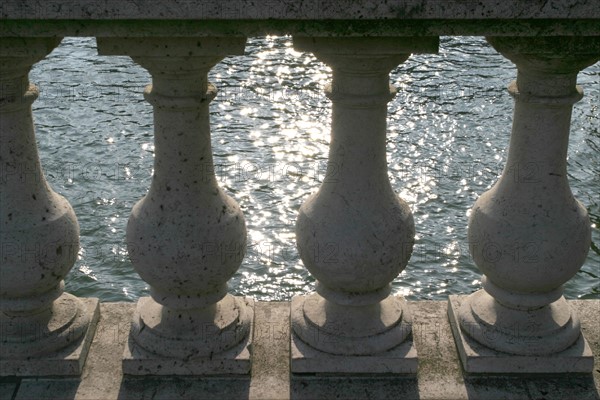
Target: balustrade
{"type": "Point", "coordinates": [520, 316]}
{"type": "Point", "coordinates": [186, 237]}
{"type": "Point", "coordinates": [44, 331]}
{"type": "Point", "coordinates": [355, 235]}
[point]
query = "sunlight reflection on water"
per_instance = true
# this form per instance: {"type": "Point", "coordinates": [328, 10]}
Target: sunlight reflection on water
{"type": "Point", "coordinates": [448, 130]}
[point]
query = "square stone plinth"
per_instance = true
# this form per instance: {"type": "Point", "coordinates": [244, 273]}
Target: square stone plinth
{"type": "Point", "coordinates": [235, 361]}
{"type": "Point", "coordinates": [307, 360]}
{"type": "Point", "coordinates": [66, 362]}
{"type": "Point", "coordinates": [477, 358]}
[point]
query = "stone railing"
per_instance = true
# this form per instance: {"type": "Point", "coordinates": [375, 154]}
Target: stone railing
{"type": "Point", "coordinates": [518, 322]}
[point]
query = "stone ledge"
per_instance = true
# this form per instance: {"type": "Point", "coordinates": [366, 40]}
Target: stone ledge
{"type": "Point", "coordinates": [250, 28]}
{"type": "Point", "coordinates": [439, 375]}
{"type": "Point", "coordinates": [197, 18]}
{"type": "Point", "coordinates": [476, 358]}
{"type": "Point", "coordinates": [65, 362]}
{"type": "Point", "coordinates": [399, 360]}
{"type": "Point", "coordinates": [294, 9]}
{"type": "Point", "coordinates": [235, 361]}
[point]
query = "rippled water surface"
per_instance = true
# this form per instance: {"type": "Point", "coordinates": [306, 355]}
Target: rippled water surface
{"type": "Point", "coordinates": [448, 130]}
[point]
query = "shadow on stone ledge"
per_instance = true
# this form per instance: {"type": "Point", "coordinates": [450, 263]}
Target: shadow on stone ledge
{"type": "Point", "coordinates": [574, 386]}
{"type": "Point", "coordinates": [368, 387]}
{"type": "Point", "coordinates": [184, 388]}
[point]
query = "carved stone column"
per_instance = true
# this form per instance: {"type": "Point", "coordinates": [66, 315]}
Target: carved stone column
{"type": "Point", "coordinates": [528, 234]}
{"type": "Point", "coordinates": [355, 235]}
{"type": "Point", "coordinates": [186, 237]}
{"type": "Point", "coordinates": [44, 331]}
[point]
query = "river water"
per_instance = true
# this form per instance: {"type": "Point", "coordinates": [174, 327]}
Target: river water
{"type": "Point", "coordinates": [448, 131]}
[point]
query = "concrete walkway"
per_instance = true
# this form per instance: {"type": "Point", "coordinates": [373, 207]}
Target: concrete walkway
{"type": "Point", "coordinates": [439, 377]}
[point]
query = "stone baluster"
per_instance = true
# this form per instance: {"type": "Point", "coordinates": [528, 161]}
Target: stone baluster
{"type": "Point", "coordinates": [528, 234]}
{"type": "Point", "coordinates": [44, 331]}
{"type": "Point", "coordinates": [186, 238]}
{"type": "Point", "coordinates": [355, 235]}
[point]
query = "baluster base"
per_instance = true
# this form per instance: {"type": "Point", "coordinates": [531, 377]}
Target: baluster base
{"type": "Point", "coordinates": [401, 359]}
{"type": "Point", "coordinates": [477, 358]}
{"type": "Point", "coordinates": [67, 361]}
{"type": "Point", "coordinates": [235, 360]}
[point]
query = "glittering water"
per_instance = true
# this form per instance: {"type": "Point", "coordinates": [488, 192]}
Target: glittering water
{"type": "Point", "coordinates": [448, 130]}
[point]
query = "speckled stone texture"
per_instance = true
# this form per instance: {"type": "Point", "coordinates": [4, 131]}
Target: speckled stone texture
{"type": "Point", "coordinates": [186, 237]}
{"type": "Point", "coordinates": [476, 358]}
{"type": "Point", "coordinates": [233, 361]}
{"type": "Point", "coordinates": [296, 9]}
{"type": "Point", "coordinates": [528, 234]}
{"type": "Point", "coordinates": [195, 18]}
{"type": "Point", "coordinates": [67, 361]}
{"type": "Point", "coordinates": [355, 235]}
{"type": "Point", "coordinates": [44, 331]}
{"type": "Point", "coordinates": [439, 376]}
{"type": "Point", "coordinates": [401, 359]}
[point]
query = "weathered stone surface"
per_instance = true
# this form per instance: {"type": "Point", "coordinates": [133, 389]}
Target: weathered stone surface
{"type": "Point", "coordinates": [41, 326]}
{"type": "Point", "coordinates": [102, 374]}
{"type": "Point", "coordinates": [189, 325]}
{"type": "Point", "coordinates": [528, 235]}
{"type": "Point", "coordinates": [237, 360]}
{"type": "Point", "coordinates": [354, 234]}
{"type": "Point", "coordinates": [590, 328]}
{"type": "Point", "coordinates": [307, 17]}
{"type": "Point", "coordinates": [7, 389]}
{"type": "Point", "coordinates": [401, 359]}
{"type": "Point", "coordinates": [67, 361]}
{"type": "Point", "coordinates": [270, 375]}
{"type": "Point", "coordinates": [334, 28]}
{"type": "Point", "coordinates": [103, 371]}
{"type": "Point", "coordinates": [439, 377]}
{"type": "Point", "coordinates": [479, 359]}
{"type": "Point", "coordinates": [292, 9]}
